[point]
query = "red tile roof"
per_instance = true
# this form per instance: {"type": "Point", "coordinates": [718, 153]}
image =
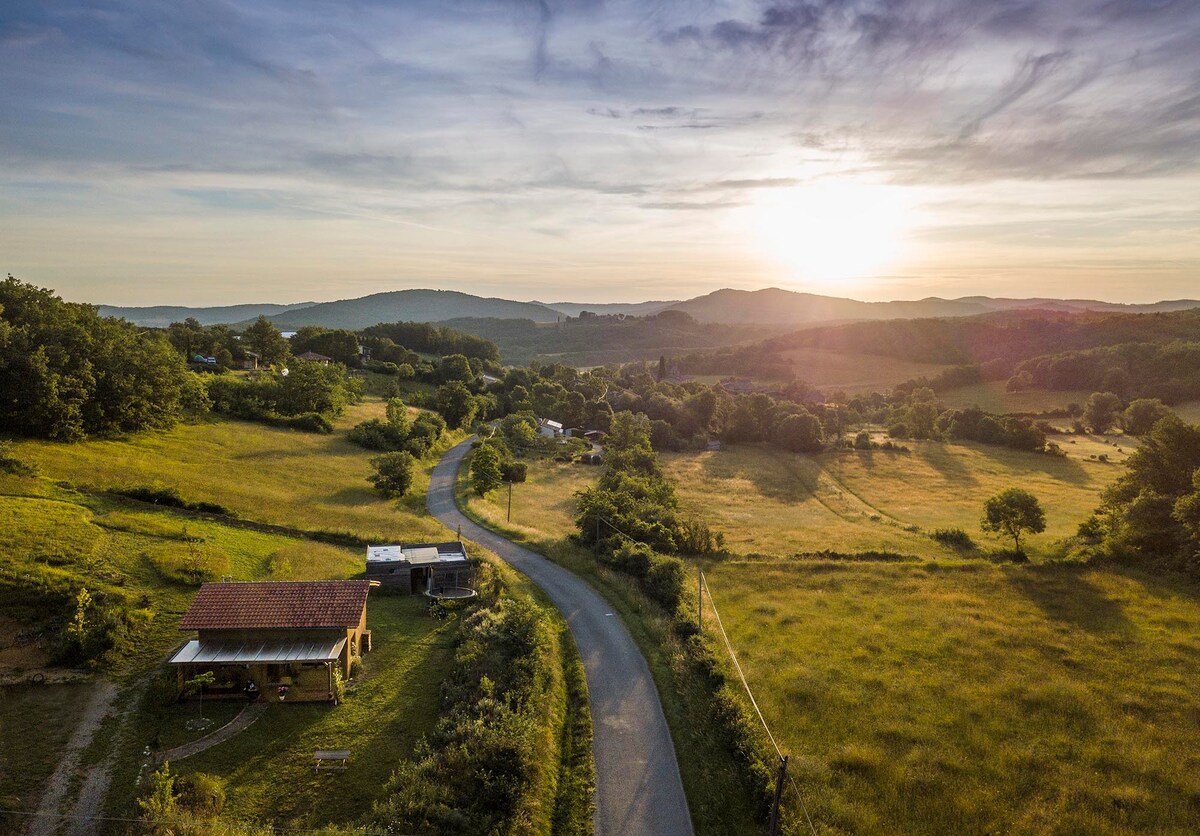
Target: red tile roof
{"type": "Point", "coordinates": [233, 606]}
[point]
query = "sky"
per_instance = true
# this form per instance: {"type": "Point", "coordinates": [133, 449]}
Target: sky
{"type": "Point", "coordinates": [207, 153]}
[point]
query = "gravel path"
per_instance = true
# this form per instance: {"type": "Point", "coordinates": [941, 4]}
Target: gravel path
{"type": "Point", "coordinates": [47, 820]}
{"type": "Point", "coordinates": [244, 720]}
{"type": "Point", "coordinates": [638, 789]}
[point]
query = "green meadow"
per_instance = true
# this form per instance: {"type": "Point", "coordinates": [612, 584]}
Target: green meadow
{"type": "Point", "coordinates": [280, 476]}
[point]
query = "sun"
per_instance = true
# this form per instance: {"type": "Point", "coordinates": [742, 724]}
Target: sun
{"type": "Point", "coordinates": [831, 232]}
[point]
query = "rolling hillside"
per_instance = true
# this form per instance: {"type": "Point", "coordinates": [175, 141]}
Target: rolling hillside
{"type": "Point", "coordinates": [160, 316]}
{"type": "Point", "coordinates": [410, 306]}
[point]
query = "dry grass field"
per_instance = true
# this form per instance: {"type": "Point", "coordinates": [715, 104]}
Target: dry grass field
{"type": "Point", "coordinates": [967, 697]}
{"type": "Point", "coordinates": [854, 373]}
{"type": "Point", "coordinates": [994, 397]}
{"type": "Point", "coordinates": [775, 503]}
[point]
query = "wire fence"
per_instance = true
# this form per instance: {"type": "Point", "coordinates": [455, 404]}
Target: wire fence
{"type": "Point", "coordinates": [753, 702]}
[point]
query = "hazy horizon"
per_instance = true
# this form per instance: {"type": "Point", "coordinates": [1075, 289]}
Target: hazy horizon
{"type": "Point", "coordinates": [212, 154]}
{"type": "Point", "coordinates": [582, 301]}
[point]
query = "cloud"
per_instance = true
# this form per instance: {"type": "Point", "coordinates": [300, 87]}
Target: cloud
{"type": "Point", "coordinates": [496, 117]}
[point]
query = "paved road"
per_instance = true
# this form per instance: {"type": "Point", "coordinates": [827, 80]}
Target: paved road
{"type": "Point", "coordinates": [638, 790]}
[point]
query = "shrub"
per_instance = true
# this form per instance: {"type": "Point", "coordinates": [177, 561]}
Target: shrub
{"type": "Point", "coordinates": [954, 538]}
{"type": "Point", "coordinates": [514, 471]}
{"type": "Point", "coordinates": [664, 582]}
{"type": "Point", "coordinates": [379, 435]}
{"type": "Point", "coordinates": [9, 463]}
{"type": "Point", "coordinates": [200, 793]}
{"type": "Point", "coordinates": [393, 474]}
{"type": "Point", "coordinates": [632, 559]}
{"type": "Point", "coordinates": [171, 498]}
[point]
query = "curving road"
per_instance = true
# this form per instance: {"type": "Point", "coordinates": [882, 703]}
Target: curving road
{"type": "Point", "coordinates": [638, 790]}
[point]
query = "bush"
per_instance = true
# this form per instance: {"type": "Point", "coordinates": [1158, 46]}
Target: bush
{"type": "Point", "coordinates": [200, 793]}
{"type": "Point", "coordinates": [632, 559]}
{"type": "Point", "coordinates": [393, 474]}
{"type": "Point", "coordinates": [514, 471]}
{"type": "Point", "coordinates": [954, 538]}
{"type": "Point", "coordinates": [664, 582]}
{"type": "Point", "coordinates": [9, 463]}
{"type": "Point", "coordinates": [379, 435]}
{"type": "Point", "coordinates": [171, 498]}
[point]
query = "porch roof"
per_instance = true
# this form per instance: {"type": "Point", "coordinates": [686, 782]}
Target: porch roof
{"type": "Point", "coordinates": [199, 652]}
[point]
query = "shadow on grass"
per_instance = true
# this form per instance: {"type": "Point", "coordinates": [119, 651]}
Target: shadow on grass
{"type": "Point", "coordinates": [773, 479]}
{"type": "Point", "coordinates": [952, 468]}
{"type": "Point", "coordinates": [1064, 595]}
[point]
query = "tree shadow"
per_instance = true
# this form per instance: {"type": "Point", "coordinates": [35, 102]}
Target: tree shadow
{"type": "Point", "coordinates": [951, 467]}
{"type": "Point", "coordinates": [783, 480]}
{"type": "Point", "coordinates": [1064, 595]}
{"type": "Point", "coordinates": [352, 496]}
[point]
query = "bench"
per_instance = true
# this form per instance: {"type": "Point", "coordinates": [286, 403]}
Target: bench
{"type": "Point", "coordinates": [330, 759]}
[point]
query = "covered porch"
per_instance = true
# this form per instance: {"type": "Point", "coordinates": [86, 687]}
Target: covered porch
{"type": "Point", "coordinates": [281, 670]}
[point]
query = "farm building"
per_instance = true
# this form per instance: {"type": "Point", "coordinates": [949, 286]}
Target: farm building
{"type": "Point", "coordinates": [285, 637]}
{"type": "Point", "coordinates": [313, 357]}
{"type": "Point", "coordinates": [440, 570]}
{"type": "Point", "coordinates": [549, 429]}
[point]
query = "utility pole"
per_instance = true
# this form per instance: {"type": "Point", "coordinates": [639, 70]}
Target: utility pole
{"type": "Point", "coordinates": [597, 555]}
{"type": "Point", "coordinates": [773, 827]}
{"type": "Point", "coordinates": [700, 600]}
{"type": "Point", "coordinates": [510, 501]}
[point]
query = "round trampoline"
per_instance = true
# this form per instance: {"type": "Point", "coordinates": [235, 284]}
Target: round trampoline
{"type": "Point", "coordinates": [451, 593]}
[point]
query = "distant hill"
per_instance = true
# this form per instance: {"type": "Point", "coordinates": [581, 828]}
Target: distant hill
{"type": "Point", "coordinates": [610, 308]}
{"type": "Point", "coordinates": [769, 306]}
{"type": "Point", "coordinates": [785, 307]}
{"type": "Point", "coordinates": [160, 316]}
{"type": "Point", "coordinates": [410, 306]}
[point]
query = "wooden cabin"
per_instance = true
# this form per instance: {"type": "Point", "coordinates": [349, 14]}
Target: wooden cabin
{"type": "Point", "coordinates": [285, 637]}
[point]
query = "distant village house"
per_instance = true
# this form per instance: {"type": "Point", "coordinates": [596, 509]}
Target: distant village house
{"type": "Point", "coordinates": [549, 429]}
{"type": "Point", "coordinates": [313, 357]}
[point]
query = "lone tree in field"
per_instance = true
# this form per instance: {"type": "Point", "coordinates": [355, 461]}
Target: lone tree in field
{"type": "Point", "coordinates": [1011, 513]}
{"type": "Point", "coordinates": [393, 473]}
{"type": "Point", "coordinates": [485, 470]}
{"type": "Point", "coordinates": [1102, 411]}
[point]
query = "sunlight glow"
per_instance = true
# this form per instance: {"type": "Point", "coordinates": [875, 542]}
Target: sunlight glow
{"type": "Point", "coordinates": [830, 233]}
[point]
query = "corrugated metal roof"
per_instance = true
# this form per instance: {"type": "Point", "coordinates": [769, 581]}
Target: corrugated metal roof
{"type": "Point", "coordinates": [234, 606]}
{"type": "Point", "coordinates": [198, 652]}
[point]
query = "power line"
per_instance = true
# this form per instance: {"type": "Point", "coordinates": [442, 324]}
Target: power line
{"type": "Point", "coordinates": [274, 828]}
{"type": "Point", "coordinates": [745, 684]}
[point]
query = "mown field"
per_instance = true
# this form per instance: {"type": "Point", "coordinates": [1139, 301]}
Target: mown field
{"type": "Point", "coordinates": [993, 396]}
{"type": "Point", "coordinates": [284, 477]}
{"type": "Point", "coordinates": [774, 503]}
{"type": "Point", "coordinates": [854, 373]}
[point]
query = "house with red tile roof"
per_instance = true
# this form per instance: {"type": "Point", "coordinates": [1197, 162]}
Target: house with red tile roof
{"type": "Point", "coordinates": [283, 640]}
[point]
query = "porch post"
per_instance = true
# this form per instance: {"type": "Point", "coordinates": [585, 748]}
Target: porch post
{"type": "Point", "coordinates": [329, 676]}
